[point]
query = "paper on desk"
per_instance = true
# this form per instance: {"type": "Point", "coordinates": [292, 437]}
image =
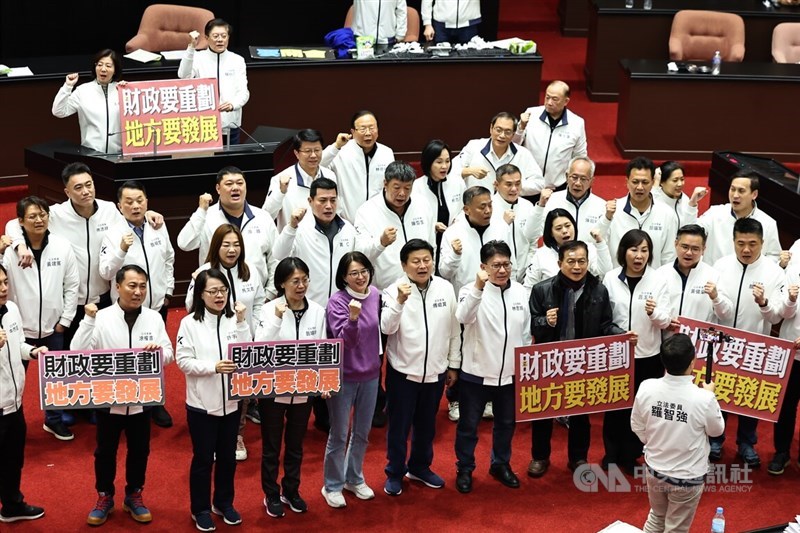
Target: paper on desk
{"type": "Point", "coordinates": [143, 56]}
{"type": "Point", "coordinates": [20, 71]}
{"type": "Point", "coordinates": [173, 55]}
{"type": "Point", "coordinates": [314, 54]}
{"type": "Point", "coordinates": [291, 52]}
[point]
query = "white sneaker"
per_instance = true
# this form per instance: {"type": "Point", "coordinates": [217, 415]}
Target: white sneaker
{"type": "Point", "coordinates": [334, 499]}
{"type": "Point", "coordinates": [452, 411]}
{"type": "Point", "coordinates": [241, 451]}
{"type": "Point", "coordinates": [362, 491]}
{"type": "Point", "coordinates": [487, 411]}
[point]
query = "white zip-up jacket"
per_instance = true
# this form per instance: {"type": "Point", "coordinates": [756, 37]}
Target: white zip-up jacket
{"type": "Point", "coordinates": [681, 210]}
{"type": "Point", "coordinates": [521, 232]}
{"type": "Point", "coordinates": [108, 331]}
{"type": "Point", "coordinates": [718, 222]}
{"type": "Point", "coordinates": [86, 237]}
{"type": "Point", "coordinates": [451, 195]}
{"type": "Point", "coordinates": [628, 308]}
{"type": "Point", "coordinates": [737, 281]}
{"type": "Point", "coordinates": [479, 153]}
{"type": "Point", "coordinates": [280, 205]}
{"type": "Point", "coordinates": [230, 72]}
{"type": "Point", "coordinates": [423, 334]}
{"type": "Point", "coordinates": [452, 13]}
{"type": "Point", "coordinates": [416, 223]}
{"type": "Point", "coordinates": [658, 221]}
{"type": "Point", "coordinates": [356, 181]}
{"type": "Point", "coordinates": [46, 292]}
{"type": "Point", "coordinates": [383, 19]}
{"type": "Point", "coordinates": [460, 270]}
{"type": "Point", "coordinates": [250, 292]}
{"type": "Point", "coordinates": [12, 353]}
{"type": "Point", "coordinates": [153, 253]}
{"type": "Point", "coordinates": [553, 148]}
{"type": "Point", "coordinates": [272, 328]}
{"type": "Point", "coordinates": [200, 345]}
{"type": "Point", "coordinates": [258, 231]}
{"type": "Point", "coordinates": [544, 264]}
{"type": "Point", "coordinates": [322, 256]}
{"type": "Point", "coordinates": [790, 328]}
{"type": "Point", "coordinates": [690, 299]}
{"type": "Point", "coordinates": [98, 114]}
{"type": "Point", "coordinates": [672, 447]}
{"type": "Point", "coordinates": [795, 251]}
{"type": "Point", "coordinates": [587, 214]}
{"type": "Point", "coordinates": [496, 320]}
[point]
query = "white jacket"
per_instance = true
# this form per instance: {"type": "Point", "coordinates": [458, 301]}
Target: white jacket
{"type": "Point", "coordinates": [520, 233]}
{"type": "Point", "coordinates": [280, 205]}
{"type": "Point", "coordinates": [258, 231]}
{"type": "Point", "coordinates": [718, 222]}
{"type": "Point", "coordinates": [46, 292]}
{"type": "Point", "coordinates": [682, 211]}
{"type": "Point", "coordinates": [98, 115]}
{"type": "Point", "coordinates": [690, 300]}
{"type": "Point", "coordinates": [417, 223]}
{"type": "Point", "coordinates": [200, 345]}
{"type": "Point", "coordinates": [272, 328]}
{"type": "Point", "coordinates": [356, 182]}
{"type": "Point", "coordinates": [588, 215]}
{"type": "Point", "coordinates": [310, 243]}
{"type": "Point", "coordinates": [790, 328]}
{"type": "Point", "coordinates": [628, 309]}
{"type": "Point", "coordinates": [383, 19]}
{"type": "Point", "coordinates": [86, 237]}
{"type": "Point", "coordinates": [230, 71]}
{"type": "Point", "coordinates": [795, 251]}
{"type": "Point", "coordinates": [423, 335]}
{"type": "Point", "coordinates": [460, 270]}
{"type": "Point", "coordinates": [479, 153]}
{"type": "Point", "coordinates": [12, 353]}
{"type": "Point", "coordinates": [544, 265]}
{"type": "Point", "coordinates": [495, 322]}
{"type": "Point", "coordinates": [250, 292]}
{"type": "Point", "coordinates": [658, 221]}
{"type": "Point", "coordinates": [737, 281]}
{"type": "Point", "coordinates": [553, 148]}
{"type": "Point", "coordinates": [674, 447]}
{"type": "Point", "coordinates": [109, 331]}
{"type": "Point", "coordinates": [452, 195]}
{"type": "Point", "coordinates": [155, 255]}
{"type": "Point", "coordinates": [453, 13]}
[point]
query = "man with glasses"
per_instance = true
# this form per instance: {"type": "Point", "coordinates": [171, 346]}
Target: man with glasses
{"type": "Point", "coordinates": [359, 161]}
{"type": "Point", "coordinates": [480, 158]}
{"type": "Point", "coordinates": [288, 189]}
{"type": "Point", "coordinates": [554, 136]}
{"type": "Point", "coordinates": [228, 68]}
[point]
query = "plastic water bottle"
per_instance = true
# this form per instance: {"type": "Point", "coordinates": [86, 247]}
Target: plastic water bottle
{"type": "Point", "coordinates": [648, 4]}
{"type": "Point", "coordinates": [718, 522]}
{"type": "Point", "coordinates": [716, 63]}
{"type": "Point", "coordinates": [629, 4]}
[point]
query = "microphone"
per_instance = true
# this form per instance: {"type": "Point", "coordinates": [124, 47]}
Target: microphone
{"type": "Point", "coordinates": [259, 143]}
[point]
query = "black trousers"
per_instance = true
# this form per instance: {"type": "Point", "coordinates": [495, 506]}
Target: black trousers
{"type": "Point", "coordinates": [105, 301]}
{"type": "Point", "coordinates": [784, 428]}
{"type": "Point", "coordinates": [473, 399]}
{"type": "Point", "coordinates": [621, 443]}
{"type": "Point", "coordinates": [137, 436]}
{"type": "Point", "coordinates": [212, 435]}
{"type": "Point", "coordinates": [12, 457]}
{"type": "Point", "coordinates": [578, 439]}
{"type": "Point", "coordinates": [287, 422]}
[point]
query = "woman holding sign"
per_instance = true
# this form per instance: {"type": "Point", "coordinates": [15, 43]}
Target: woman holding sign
{"type": "Point", "coordinates": [213, 419]}
{"type": "Point", "coordinates": [291, 316]}
{"type": "Point", "coordinates": [96, 103]}
{"type": "Point", "coordinates": [352, 317]}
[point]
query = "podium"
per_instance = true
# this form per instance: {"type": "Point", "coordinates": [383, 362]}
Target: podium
{"type": "Point", "coordinates": [173, 181]}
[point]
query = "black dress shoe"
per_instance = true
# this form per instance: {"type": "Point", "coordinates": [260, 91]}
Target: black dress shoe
{"type": "Point", "coordinates": [161, 417]}
{"type": "Point", "coordinates": [464, 481]}
{"type": "Point", "coordinates": [504, 475]}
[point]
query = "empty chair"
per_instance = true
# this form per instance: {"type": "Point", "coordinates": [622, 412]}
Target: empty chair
{"type": "Point", "coordinates": [165, 27]}
{"type": "Point", "coordinates": [696, 35]}
{"type": "Point", "coordinates": [412, 23]}
{"type": "Point", "coordinates": [786, 42]}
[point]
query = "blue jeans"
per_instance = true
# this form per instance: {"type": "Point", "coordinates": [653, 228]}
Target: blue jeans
{"type": "Point", "coordinates": [746, 430]}
{"type": "Point", "coordinates": [54, 343]}
{"type": "Point", "coordinates": [340, 467]}
{"type": "Point", "coordinates": [473, 399]}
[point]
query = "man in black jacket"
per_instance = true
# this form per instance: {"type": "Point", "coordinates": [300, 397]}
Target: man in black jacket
{"type": "Point", "coordinates": [573, 304]}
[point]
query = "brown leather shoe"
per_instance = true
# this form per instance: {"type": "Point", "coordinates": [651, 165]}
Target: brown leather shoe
{"type": "Point", "coordinates": [537, 468]}
{"type": "Point", "coordinates": [574, 465]}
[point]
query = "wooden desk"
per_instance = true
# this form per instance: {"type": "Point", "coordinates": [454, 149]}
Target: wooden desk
{"type": "Point", "coordinates": [748, 107]}
{"type": "Point", "coordinates": [616, 33]}
{"type": "Point", "coordinates": [416, 100]}
{"type": "Point", "coordinates": [574, 17]}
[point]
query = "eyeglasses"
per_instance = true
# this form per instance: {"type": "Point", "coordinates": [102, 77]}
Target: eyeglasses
{"type": "Point", "coordinates": [498, 266]}
{"type": "Point", "coordinates": [575, 177]}
{"type": "Point", "coordinates": [315, 151]}
{"type": "Point", "coordinates": [500, 131]}
{"type": "Point", "coordinates": [299, 281]}
{"type": "Point", "coordinates": [216, 291]}
{"type": "Point", "coordinates": [36, 216]}
{"type": "Point", "coordinates": [358, 273]}
{"type": "Point", "coordinates": [693, 249]}
{"type": "Point", "coordinates": [365, 129]}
